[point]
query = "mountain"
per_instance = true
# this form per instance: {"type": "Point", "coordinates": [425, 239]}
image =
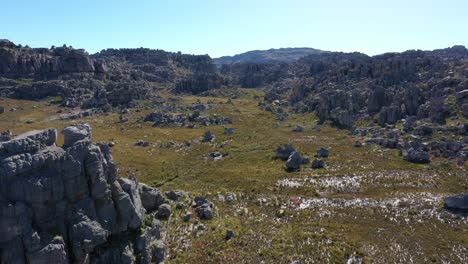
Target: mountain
{"type": "Point", "coordinates": [280, 55]}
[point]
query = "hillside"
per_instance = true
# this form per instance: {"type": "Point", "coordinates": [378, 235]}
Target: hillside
{"type": "Point", "coordinates": [278, 55]}
{"type": "Point", "coordinates": [333, 158]}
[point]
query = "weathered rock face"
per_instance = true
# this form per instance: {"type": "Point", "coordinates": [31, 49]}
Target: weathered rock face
{"type": "Point", "coordinates": [389, 115]}
{"type": "Point", "coordinates": [457, 203]}
{"type": "Point", "coordinates": [20, 62]}
{"type": "Point", "coordinates": [67, 205]}
{"type": "Point", "coordinates": [110, 77]}
{"type": "Point", "coordinates": [347, 87]}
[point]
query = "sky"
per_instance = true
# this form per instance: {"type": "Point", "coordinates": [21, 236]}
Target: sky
{"type": "Point", "coordinates": [228, 27]}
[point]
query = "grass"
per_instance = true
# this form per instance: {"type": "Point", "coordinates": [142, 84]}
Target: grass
{"type": "Point", "coordinates": [250, 170]}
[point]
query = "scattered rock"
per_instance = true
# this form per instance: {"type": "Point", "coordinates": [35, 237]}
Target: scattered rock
{"type": "Point", "coordinates": [318, 164]}
{"type": "Point", "coordinates": [176, 195]}
{"type": "Point", "coordinates": [216, 155]}
{"type": "Point", "coordinates": [228, 130]}
{"type": "Point", "coordinates": [229, 234]}
{"type": "Point", "coordinates": [283, 152]}
{"type": "Point", "coordinates": [141, 143]}
{"type": "Point", "coordinates": [187, 216]}
{"type": "Point", "coordinates": [322, 153]}
{"type": "Point", "coordinates": [457, 203]}
{"type": "Point", "coordinates": [208, 137]}
{"type": "Point", "coordinates": [357, 143]}
{"type": "Point", "coordinates": [294, 162]}
{"type": "Point", "coordinates": [151, 198]}
{"type": "Point", "coordinates": [416, 156]}
{"type": "Point", "coordinates": [164, 211]}
{"type": "Point", "coordinates": [297, 129]}
{"type": "Point", "coordinates": [205, 211]}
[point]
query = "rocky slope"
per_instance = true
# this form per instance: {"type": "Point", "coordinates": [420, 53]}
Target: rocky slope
{"type": "Point", "coordinates": [347, 87]}
{"type": "Point", "coordinates": [67, 204]}
{"type": "Point", "coordinates": [260, 56]}
{"type": "Point", "coordinates": [110, 77]}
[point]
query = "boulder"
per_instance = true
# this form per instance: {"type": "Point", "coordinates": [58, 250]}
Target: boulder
{"type": "Point", "coordinates": [73, 134]}
{"type": "Point", "coordinates": [176, 195]}
{"type": "Point", "coordinates": [74, 191]}
{"type": "Point", "coordinates": [141, 143]}
{"type": "Point", "coordinates": [205, 211]}
{"type": "Point", "coordinates": [284, 151]}
{"type": "Point", "coordinates": [322, 153]}
{"type": "Point", "coordinates": [228, 130]}
{"type": "Point", "coordinates": [318, 164]}
{"type": "Point", "coordinates": [294, 162]}
{"type": "Point", "coordinates": [416, 156]}
{"type": "Point", "coordinates": [208, 137]}
{"type": "Point", "coordinates": [229, 234]}
{"type": "Point", "coordinates": [457, 203]}
{"type": "Point", "coordinates": [389, 115]}
{"type": "Point", "coordinates": [164, 211]}
{"type": "Point", "coordinates": [297, 129]}
{"type": "Point", "coordinates": [151, 198]}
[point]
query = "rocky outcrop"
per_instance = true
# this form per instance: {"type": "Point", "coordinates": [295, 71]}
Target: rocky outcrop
{"type": "Point", "coordinates": [457, 203]}
{"type": "Point", "coordinates": [67, 204]}
{"type": "Point", "coordinates": [162, 119]}
{"type": "Point", "coordinates": [21, 62]}
{"type": "Point", "coordinates": [347, 87]}
{"type": "Point", "coordinates": [111, 77]}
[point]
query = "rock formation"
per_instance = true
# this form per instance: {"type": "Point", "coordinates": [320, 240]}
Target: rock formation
{"type": "Point", "coordinates": [67, 204]}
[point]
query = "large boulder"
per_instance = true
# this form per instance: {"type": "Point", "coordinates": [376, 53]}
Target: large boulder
{"type": "Point", "coordinates": [294, 161]}
{"type": "Point", "coordinates": [457, 203]}
{"type": "Point", "coordinates": [322, 153]}
{"type": "Point", "coordinates": [73, 134]}
{"type": "Point", "coordinates": [66, 204]}
{"type": "Point", "coordinates": [416, 156]}
{"type": "Point", "coordinates": [284, 151]}
{"type": "Point", "coordinates": [151, 198]}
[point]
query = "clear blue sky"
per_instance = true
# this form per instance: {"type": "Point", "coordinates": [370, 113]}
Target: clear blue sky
{"type": "Point", "coordinates": [228, 27]}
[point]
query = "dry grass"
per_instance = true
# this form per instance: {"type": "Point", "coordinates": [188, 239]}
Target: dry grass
{"type": "Point", "coordinates": [249, 169]}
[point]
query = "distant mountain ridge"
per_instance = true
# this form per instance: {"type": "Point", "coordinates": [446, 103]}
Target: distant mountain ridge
{"type": "Point", "coordinates": [271, 55]}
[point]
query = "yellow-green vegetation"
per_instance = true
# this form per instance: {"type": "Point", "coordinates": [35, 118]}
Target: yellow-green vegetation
{"type": "Point", "coordinates": [267, 228]}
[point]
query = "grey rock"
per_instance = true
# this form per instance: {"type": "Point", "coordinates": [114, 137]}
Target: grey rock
{"type": "Point", "coordinates": [389, 115]}
{"type": "Point", "coordinates": [208, 137]}
{"type": "Point", "coordinates": [457, 203]}
{"type": "Point", "coordinates": [141, 143]}
{"type": "Point", "coordinates": [73, 134]}
{"type": "Point", "coordinates": [176, 195]}
{"type": "Point", "coordinates": [322, 153]}
{"type": "Point", "coordinates": [229, 234]}
{"type": "Point", "coordinates": [294, 162]}
{"type": "Point", "coordinates": [74, 191]}
{"type": "Point", "coordinates": [158, 252]}
{"type": "Point", "coordinates": [297, 129]}
{"type": "Point", "coordinates": [228, 130]}
{"type": "Point", "coordinates": [416, 156]}
{"type": "Point", "coordinates": [318, 164]}
{"type": "Point", "coordinates": [151, 198]}
{"type": "Point", "coordinates": [200, 200]}
{"type": "Point", "coordinates": [284, 151]}
{"type": "Point", "coordinates": [205, 211]}
{"type": "Point", "coordinates": [230, 197]}
{"type": "Point", "coordinates": [52, 252]}
{"type": "Point", "coordinates": [215, 155]}
{"type": "Point", "coordinates": [164, 211]}
{"type": "Point", "coordinates": [187, 216]}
